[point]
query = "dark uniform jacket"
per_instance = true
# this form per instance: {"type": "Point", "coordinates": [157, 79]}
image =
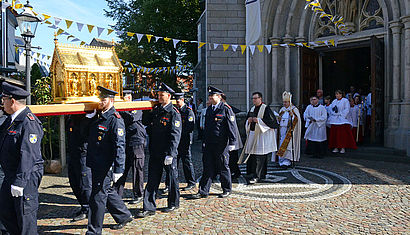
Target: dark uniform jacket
{"type": "Point", "coordinates": [20, 147]}
{"type": "Point", "coordinates": [188, 124]}
{"type": "Point", "coordinates": [106, 142]}
{"type": "Point", "coordinates": [164, 129]}
{"type": "Point", "coordinates": [135, 130]}
{"type": "Point", "coordinates": [220, 125]}
{"type": "Point", "coordinates": [78, 128]}
{"type": "Point", "coordinates": [268, 117]}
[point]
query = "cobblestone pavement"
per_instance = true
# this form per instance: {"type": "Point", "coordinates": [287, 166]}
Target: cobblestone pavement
{"type": "Point", "coordinates": [334, 195]}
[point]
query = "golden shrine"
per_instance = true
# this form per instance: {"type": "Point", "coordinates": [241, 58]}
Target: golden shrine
{"type": "Point", "coordinates": [76, 71]}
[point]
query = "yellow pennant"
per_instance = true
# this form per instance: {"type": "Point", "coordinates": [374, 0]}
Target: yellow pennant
{"type": "Point", "coordinates": [48, 57]}
{"type": "Point", "coordinates": [130, 34]}
{"type": "Point", "coordinates": [149, 36]}
{"type": "Point", "coordinates": [167, 39]}
{"type": "Point", "coordinates": [110, 31]}
{"type": "Point", "coordinates": [38, 54]}
{"type": "Point", "coordinates": [70, 36]}
{"type": "Point", "coordinates": [18, 6]}
{"type": "Point", "coordinates": [46, 17]}
{"type": "Point", "coordinates": [184, 41]}
{"type": "Point", "coordinates": [226, 46]}
{"type": "Point", "coordinates": [243, 47]}
{"type": "Point", "coordinates": [48, 22]}
{"type": "Point", "coordinates": [306, 44]}
{"type": "Point", "coordinates": [82, 43]}
{"type": "Point", "coordinates": [90, 27]}
{"type": "Point", "coordinates": [68, 23]}
{"type": "Point", "coordinates": [201, 44]}
{"type": "Point", "coordinates": [291, 44]}
{"type": "Point", "coordinates": [260, 47]}
{"type": "Point", "coordinates": [332, 42]}
{"type": "Point", "coordinates": [59, 31]}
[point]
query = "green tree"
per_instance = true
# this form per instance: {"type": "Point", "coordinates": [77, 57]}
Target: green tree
{"type": "Point", "coordinates": [166, 18]}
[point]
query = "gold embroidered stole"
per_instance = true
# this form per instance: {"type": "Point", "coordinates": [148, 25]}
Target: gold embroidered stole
{"type": "Point", "coordinates": [288, 137]}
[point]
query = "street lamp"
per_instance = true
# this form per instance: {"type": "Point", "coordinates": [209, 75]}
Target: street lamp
{"type": "Point", "coordinates": [28, 25]}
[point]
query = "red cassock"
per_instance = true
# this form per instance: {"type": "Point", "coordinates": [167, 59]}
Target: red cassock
{"type": "Point", "coordinates": [354, 132]}
{"type": "Point", "coordinates": [341, 137]}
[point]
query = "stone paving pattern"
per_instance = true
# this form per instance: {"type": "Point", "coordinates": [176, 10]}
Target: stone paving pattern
{"type": "Point", "coordinates": [376, 203]}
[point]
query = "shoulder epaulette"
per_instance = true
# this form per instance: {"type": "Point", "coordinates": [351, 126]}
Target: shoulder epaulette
{"type": "Point", "coordinates": [175, 109]}
{"type": "Point", "coordinates": [227, 105]}
{"type": "Point", "coordinates": [31, 116]}
{"type": "Point", "coordinates": [117, 114]}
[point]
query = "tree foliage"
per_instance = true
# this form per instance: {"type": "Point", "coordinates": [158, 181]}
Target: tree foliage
{"type": "Point", "coordinates": [167, 18]}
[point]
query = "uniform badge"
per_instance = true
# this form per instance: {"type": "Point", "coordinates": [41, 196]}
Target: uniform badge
{"type": "Point", "coordinates": [232, 118]}
{"type": "Point", "coordinates": [177, 123]}
{"type": "Point", "coordinates": [120, 132]}
{"type": "Point", "coordinates": [99, 138]}
{"type": "Point", "coordinates": [33, 138]}
{"type": "Point", "coordinates": [216, 119]}
{"type": "Point", "coordinates": [191, 119]}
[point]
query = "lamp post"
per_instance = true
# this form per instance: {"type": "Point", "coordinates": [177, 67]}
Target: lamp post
{"type": "Point", "coordinates": [28, 25]}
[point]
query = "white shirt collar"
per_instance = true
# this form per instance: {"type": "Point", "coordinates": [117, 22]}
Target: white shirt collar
{"type": "Point", "coordinates": [216, 105]}
{"type": "Point", "coordinates": [14, 115]}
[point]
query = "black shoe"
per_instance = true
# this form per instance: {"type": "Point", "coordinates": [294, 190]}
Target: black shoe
{"type": "Point", "coordinates": [170, 209]}
{"type": "Point", "coordinates": [121, 225]}
{"type": "Point", "coordinates": [189, 187]}
{"type": "Point", "coordinates": [253, 181]}
{"type": "Point", "coordinates": [79, 216]}
{"type": "Point", "coordinates": [224, 194]}
{"type": "Point", "coordinates": [164, 191]}
{"type": "Point", "coordinates": [143, 214]}
{"type": "Point", "coordinates": [136, 201]}
{"type": "Point", "coordinates": [198, 196]}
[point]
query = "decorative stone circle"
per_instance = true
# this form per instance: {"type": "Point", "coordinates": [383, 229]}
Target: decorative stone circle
{"type": "Point", "coordinates": [300, 184]}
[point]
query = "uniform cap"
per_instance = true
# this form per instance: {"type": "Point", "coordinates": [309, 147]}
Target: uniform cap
{"type": "Point", "coordinates": [165, 88]}
{"type": "Point", "coordinates": [213, 90]}
{"type": "Point", "coordinates": [127, 92]}
{"type": "Point", "coordinates": [106, 93]}
{"type": "Point", "coordinates": [178, 95]}
{"type": "Point", "coordinates": [14, 91]}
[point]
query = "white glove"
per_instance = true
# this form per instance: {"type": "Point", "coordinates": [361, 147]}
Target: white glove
{"type": "Point", "coordinates": [168, 160]}
{"type": "Point", "coordinates": [231, 147]}
{"type": "Point", "coordinates": [16, 191]}
{"type": "Point", "coordinates": [116, 177]}
{"type": "Point", "coordinates": [91, 115]}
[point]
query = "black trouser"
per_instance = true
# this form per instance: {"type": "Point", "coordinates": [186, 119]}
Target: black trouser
{"type": "Point", "coordinates": [258, 165]}
{"type": "Point", "coordinates": [2, 228]}
{"type": "Point", "coordinates": [134, 160]}
{"type": "Point", "coordinates": [104, 196]}
{"type": "Point", "coordinates": [184, 154]}
{"type": "Point", "coordinates": [19, 214]}
{"type": "Point", "coordinates": [79, 176]}
{"type": "Point", "coordinates": [155, 168]}
{"type": "Point", "coordinates": [233, 162]}
{"type": "Point", "coordinates": [215, 161]}
{"type": "Point", "coordinates": [316, 148]}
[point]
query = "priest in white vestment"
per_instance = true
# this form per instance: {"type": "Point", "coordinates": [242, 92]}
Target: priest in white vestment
{"type": "Point", "coordinates": [261, 138]}
{"type": "Point", "coordinates": [315, 116]}
{"type": "Point", "coordinates": [289, 132]}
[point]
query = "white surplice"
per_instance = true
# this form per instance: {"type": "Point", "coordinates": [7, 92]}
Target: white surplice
{"type": "Point", "coordinates": [316, 131]}
{"type": "Point", "coordinates": [339, 117]}
{"type": "Point", "coordinates": [265, 141]}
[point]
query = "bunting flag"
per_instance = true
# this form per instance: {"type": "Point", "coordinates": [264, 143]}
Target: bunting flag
{"type": "Point", "coordinates": [260, 48]}
{"type": "Point", "coordinates": [234, 47]}
{"type": "Point", "coordinates": [130, 34]}
{"type": "Point", "coordinates": [201, 44]}
{"type": "Point", "coordinates": [46, 17]}
{"type": "Point", "coordinates": [90, 27]}
{"type": "Point", "coordinates": [149, 36]}
{"type": "Point", "coordinates": [243, 48]}
{"type": "Point", "coordinates": [109, 31]}
{"type": "Point", "coordinates": [268, 48]}
{"type": "Point", "coordinates": [57, 20]}
{"type": "Point", "coordinates": [139, 36]}
{"type": "Point", "coordinates": [99, 30]}
{"type": "Point", "coordinates": [68, 23]}
{"type": "Point", "coordinates": [252, 48]}
{"type": "Point", "coordinates": [337, 20]}
{"type": "Point", "coordinates": [175, 42]}
{"type": "Point", "coordinates": [80, 26]}
{"type": "Point", "coordinates": [225, 46]}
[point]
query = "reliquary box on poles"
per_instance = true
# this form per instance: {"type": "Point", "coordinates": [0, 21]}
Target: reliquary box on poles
{"type": "Point", "coordinates": [77, 71]}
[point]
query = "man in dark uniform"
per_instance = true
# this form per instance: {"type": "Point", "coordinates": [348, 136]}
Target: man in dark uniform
{"type": "Point", "coordinates": [2, 119]}
{"type": "Point", "coordinates": [135, 143]}
{"type": "Point", "coordinates": [219, 138]}
{"type": "Point", "coordinates": [79, 175]}
{"type": "Point", "coordinates": [187, 136]}
{"type": "Point", "coordinates": [106, 158]}
{"type": "Point", "coordinates": [164, 130]}
{"type": "Point", "coordinates": [20, 158]}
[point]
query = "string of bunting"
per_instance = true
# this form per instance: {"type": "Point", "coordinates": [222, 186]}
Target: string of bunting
{"type": "Point", "coordinates": [337, 20]}
{"type": "Point", "coordinates": [212, 46]}
{"type": "Point", "coordinates": [132, 68]}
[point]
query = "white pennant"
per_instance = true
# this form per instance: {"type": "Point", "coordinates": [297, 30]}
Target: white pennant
{"type": "Point", "coordinates": [175, 41]}
{"type": "Point", "coordinates": [156, 38]}
{"type": "Point", "coordinates": [99, 30]}
{"type": "Point", "coordinates": [313, 43]}
{"type": "Point", "coordinates": [252, 48]}
{"type": "Point", "coordinates": [234, 47]}
{"type": "Point", "coordinates": [57, 20]}
{"type": "Point", "coordinates": [269, 48]}
{"type": "Point", "coordinates": [299, 44]}
{"type": "Point", "coordinates": [139, 36]}
{"type": "Point", "coordinates": [80, 26]}
{"type": "Point", "coordinates": [215, 46]}
{"type": "Point", "coordinates": [129, 69]}
{"type": "Point", "coordinates": [326, 43]}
